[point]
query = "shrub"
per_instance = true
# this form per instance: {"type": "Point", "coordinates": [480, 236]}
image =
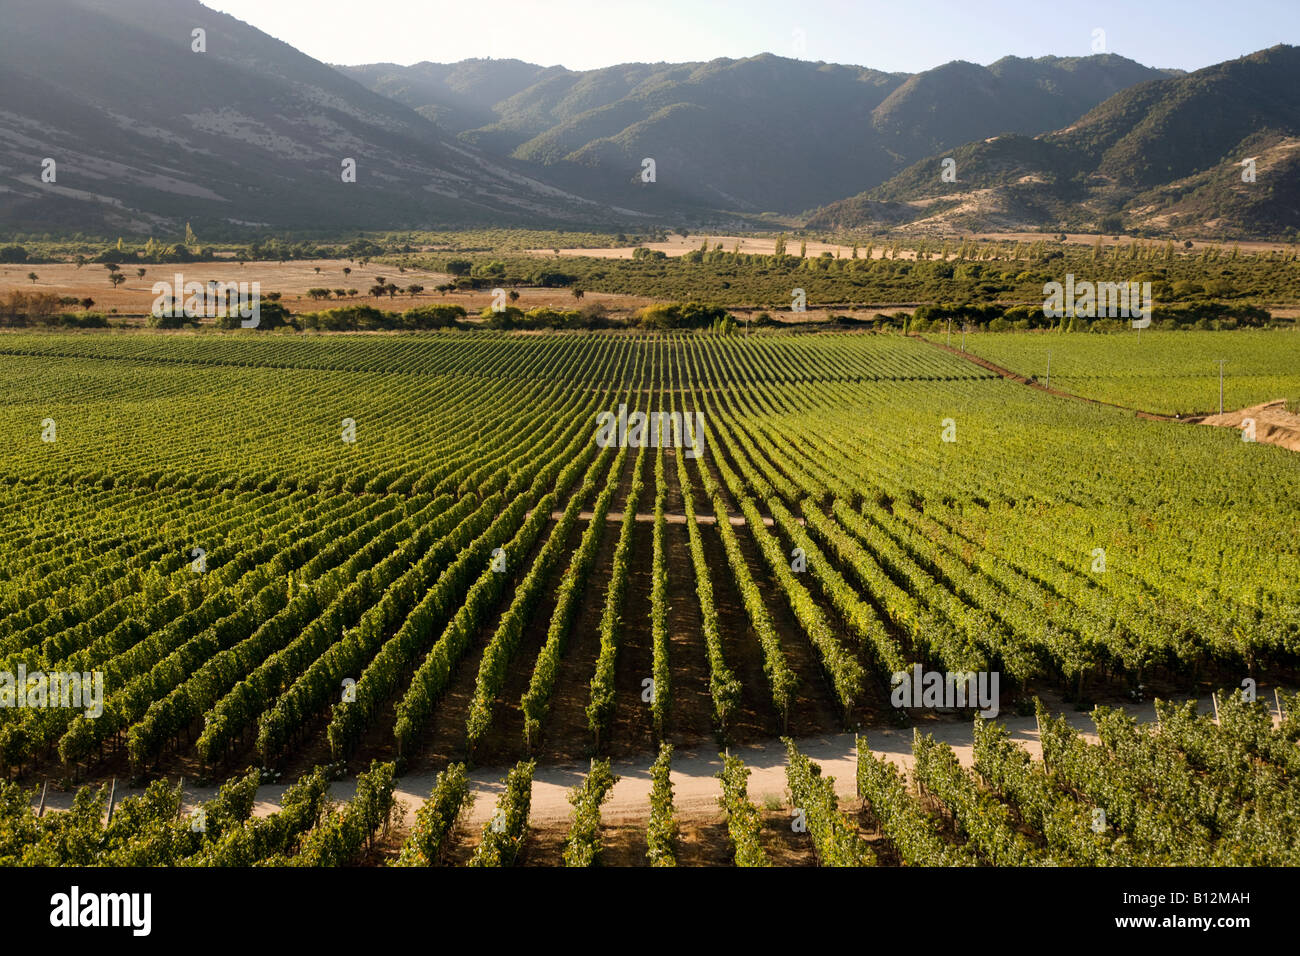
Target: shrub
{"type": "Point", "coordinates": [433, 317]}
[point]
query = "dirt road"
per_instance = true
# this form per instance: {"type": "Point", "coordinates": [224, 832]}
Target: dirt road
{"type": "Point", "coordinates": [695, 786]}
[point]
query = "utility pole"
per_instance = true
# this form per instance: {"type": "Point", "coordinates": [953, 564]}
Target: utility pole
{"type": "Point", "coordinates": [949, 341]}
{"type": "Point", "coordinates": [1048, 384]}
{"type": "Point", "coordinates": [1222, 362]}
{"type": "Point", "coordinates": [963, 336]}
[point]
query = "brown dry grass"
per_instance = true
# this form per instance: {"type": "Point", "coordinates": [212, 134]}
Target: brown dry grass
{"type": "Point", "coordinates": [135, 297]}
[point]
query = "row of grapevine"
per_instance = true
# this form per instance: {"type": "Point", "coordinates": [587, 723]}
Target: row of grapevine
{"type": "Point", "coordinates": [600, 711]}
{"type": "Point", "coordinates": [743, 820]}
{"type": "Point", "coordinates": [502, 645]}
{"type": "Point", "coordinates": [582, 847]}
{"type": "Point", "coordinates": [835, 838]}
{"type": "Point", "coordinates": [661, 674]}
{"type": "Point", "coordinates": [344, 837]}
{"type": "Point", "coordinates": [436, 819]}
{"type": "Point", "coordinates": [504, 834]}
{"type": "Point", "coordinates": [536, 701]}
{"type": "Point", "coordinates": [661, 831]}
{"type": "Point", "coordinates": [917, 836]}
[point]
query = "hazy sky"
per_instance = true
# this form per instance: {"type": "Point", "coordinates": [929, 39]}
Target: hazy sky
{"type": "Point", "coordinates": [895, 35]}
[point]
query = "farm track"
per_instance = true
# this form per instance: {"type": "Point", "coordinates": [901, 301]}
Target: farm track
{"type": "Point", "coordinates": [1022, 380]}
{"type": "Point", "coordinates": [695, 785]}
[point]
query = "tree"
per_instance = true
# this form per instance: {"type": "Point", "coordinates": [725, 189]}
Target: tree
{"type": "Point", "coordinates": [415, 290]}
{"type": "Point", "coordinates": [577, 294]}
{"type": "Point", "coordinates": [87, 302]}
{"type": "Point", "coordinates": [140, 273]}
{"type": "Point", "coordinates": [318, 270]}
{"type": "Point", "coordinates": [376, 290]}
{"type": "Point", "coordinates": [116, 278]}
{"type": "Point", "coordinates": [33, 276]}
{"type": "Point", "coordinates": [80, 261]}
{"type": "Point", "coordinates": [391, 289]}
{"type": "Point", "coordinates": [347, 271]}
{"type": "Point", "coordinates": [111, 266]}
{"type": "Point", "coordinates": [513, 295]}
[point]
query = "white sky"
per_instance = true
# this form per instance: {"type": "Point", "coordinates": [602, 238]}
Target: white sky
{"type": "Point", "coordinates": [898, 35]}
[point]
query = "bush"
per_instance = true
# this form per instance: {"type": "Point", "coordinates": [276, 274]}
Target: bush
{"type": "Point", "coordinates": [508, 318]}
{"type": "Point", "coordinates": [271, 315]}
{"type": "Point", "coordinates": [345, 319]}
{"type": "Point", "coordinates": [83, 320]}
{"type": "Point", "coordinates": [691, 315]}
{"type": "Point", "coordinates": [547, 318]}
{"type": "Point", "coordinates": [552, 280]}
{"type": "Point", "coordinates": [433, 317]}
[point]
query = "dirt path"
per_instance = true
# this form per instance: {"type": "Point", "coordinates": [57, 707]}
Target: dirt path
{"type": "Point", "coordinates": [1274, 425]}
{"type": "Point", "coordinates": [695, 786]}
{"type": "Point", "coordinates": [1022, 380]}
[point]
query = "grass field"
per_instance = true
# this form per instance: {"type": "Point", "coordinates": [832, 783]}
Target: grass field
{"type": "Point", "coordinates": [1174, 373]}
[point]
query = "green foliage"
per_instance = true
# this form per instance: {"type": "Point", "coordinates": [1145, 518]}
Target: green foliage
{"type": "Point", "coordinates": [582, 847]}
{"type": "Point", "coordinates": [436, 818]}
{"type": "Point", "coordinates": [341, 839]}
{"type": "Point", "coordinates": [504, 834]}
{"type": "Point", "coordinates": [834, 837]}
{"type": "Point", "coordinates": [743, 821]}
{"type": "Point", "coordinates": [661, 831]}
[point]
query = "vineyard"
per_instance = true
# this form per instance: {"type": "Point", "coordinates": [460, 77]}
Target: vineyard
{"type": "Point", "coordinates": [1167, 372]}
{"type": "Point", "coordinates": [1192, 789]}
{"type": "Point", "coordinates": [410, 551]}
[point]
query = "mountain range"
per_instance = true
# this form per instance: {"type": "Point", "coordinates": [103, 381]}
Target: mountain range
{"type": "Point", "coordinates": [1212, 153]}
{"type": "Point", "coordinates": [764, 134]}
{"type": "Point", "coordinates": [148, 132]}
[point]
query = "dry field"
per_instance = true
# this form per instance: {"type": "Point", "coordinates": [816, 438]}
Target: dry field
{"type": "Point", "coordinates": [292, 279]}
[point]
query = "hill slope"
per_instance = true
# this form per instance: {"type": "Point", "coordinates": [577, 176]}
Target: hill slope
{"type": "Point", "coordinates": [1163, 156]}
{"type": "Point", "coordinates": [759, 134]}
{"type": "Point", "coordinates": [148, 134]}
